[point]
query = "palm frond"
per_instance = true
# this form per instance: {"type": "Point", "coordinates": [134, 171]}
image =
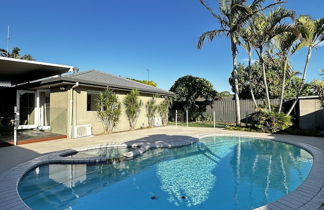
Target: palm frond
{"type": "Point", "coordinates": [210, 35]}
{"type": "Point", "coordinates": [244, 19]}
{"type": "Point", "coordinates": [225, 6]}
{"type": "Point", "coordinates": [298, 45]}
{"type": "Point", "coordinates": [209, 9]}
{"type": "Point", "coordinates": [277, 16]}
{"type": "Point", "coordinates": [222, 21]}
{"type": "Point", "coordinates": [257, 4]}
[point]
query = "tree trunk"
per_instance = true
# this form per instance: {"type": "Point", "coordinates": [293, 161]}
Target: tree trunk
{"type": "Point", "coordinates": [250, 78]}
{"type": "Point", "coordinates": [309, 54]}
{"type": "Point", "coordinates": [283, 83]}
{"type": "Point", "coordinates": [265, 79]}
{"type": "Point", "coordinates": [237, 99]}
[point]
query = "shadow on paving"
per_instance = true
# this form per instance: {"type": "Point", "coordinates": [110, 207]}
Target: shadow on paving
{"type": "Point", "coordinates": [12, 156]}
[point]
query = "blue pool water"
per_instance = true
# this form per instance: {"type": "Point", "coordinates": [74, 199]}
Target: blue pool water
{"type": "Point", "coordinates": [216, 173]}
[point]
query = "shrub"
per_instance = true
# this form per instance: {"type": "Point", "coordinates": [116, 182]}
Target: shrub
{"type": "Point", "coordinates": [204, 117]}
{"type": "Point", "coordinates": [163, 110]}
{"type": "Point", "coordinates": [151, 109]}
{"type": "Point", "coordinates": [108, 109]}
{"type": "Point", "coordinates": [319, 90]}
{"type": "Point", "coordinates": [133, 107]}
{"type": "Point", "coordinates": [271, 122]}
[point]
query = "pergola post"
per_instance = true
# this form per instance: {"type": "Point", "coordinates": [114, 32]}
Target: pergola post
{"type": "Point", "coordinates": [16, 124]}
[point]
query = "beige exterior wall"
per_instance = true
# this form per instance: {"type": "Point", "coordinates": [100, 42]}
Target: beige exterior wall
{"type": "Point", "coordinates": [311, 114]}
{"type": "Point", "coordinates": [59, 111]}
{"type": "Point", "coordinates": [90, 117]}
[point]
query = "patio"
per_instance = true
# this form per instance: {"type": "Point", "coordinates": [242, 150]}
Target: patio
{"type": "Point", "coordinates": [28, 136]}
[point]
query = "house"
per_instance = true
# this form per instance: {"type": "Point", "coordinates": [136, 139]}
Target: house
{"type": "Point", "coordinates": [14, 74]}
{"type": "Point", "coordinates": [73, 100]}
{"type": "Point", "coordinates": [48, 99]}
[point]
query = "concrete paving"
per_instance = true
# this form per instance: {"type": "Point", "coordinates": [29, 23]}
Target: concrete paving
{"type": "Point", "coordinates": [11, 156]}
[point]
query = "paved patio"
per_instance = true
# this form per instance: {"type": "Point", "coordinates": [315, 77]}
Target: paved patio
{"type": "Point", "coordinates": [11, 156]}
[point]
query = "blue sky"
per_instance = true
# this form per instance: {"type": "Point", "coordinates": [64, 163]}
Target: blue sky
{"type": "Point", "coordinates": [126, 37]}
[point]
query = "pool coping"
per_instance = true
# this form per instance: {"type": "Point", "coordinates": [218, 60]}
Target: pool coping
{"type": "Point", "coordinates": [308, 195]}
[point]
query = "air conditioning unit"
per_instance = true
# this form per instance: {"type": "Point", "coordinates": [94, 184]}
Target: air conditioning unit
{"type": "Point", "coordinates": [79, 131]}
{"type": "Point", "coordinates": [157, 121]}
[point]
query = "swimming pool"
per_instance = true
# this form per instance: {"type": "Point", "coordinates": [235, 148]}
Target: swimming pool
{"type": "Point", "coordinates": [216, 173]}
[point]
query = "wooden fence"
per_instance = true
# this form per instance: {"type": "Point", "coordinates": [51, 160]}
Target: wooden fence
{"type": "Point", "coordinates": [225, 109]}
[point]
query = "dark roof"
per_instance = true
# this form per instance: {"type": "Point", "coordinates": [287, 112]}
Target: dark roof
{"type": "Point", "coordinates": [14, 71]}
{"type": "Point", "coordinates": [99, 78]}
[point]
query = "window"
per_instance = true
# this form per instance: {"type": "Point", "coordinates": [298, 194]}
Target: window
{"type": "Point", "coordinates": [91, 101]}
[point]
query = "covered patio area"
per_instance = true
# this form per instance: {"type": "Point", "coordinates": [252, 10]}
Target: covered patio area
{"type": "Point", "coordinates": [25, 111]}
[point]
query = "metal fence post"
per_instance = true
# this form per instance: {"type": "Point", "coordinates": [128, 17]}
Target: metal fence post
{"type": "Point", "coordinates": [187, 117]}
{"type": "Point", "coordinates": [176, 117]}
{"type": "Point", "coordinates": [16, 123]}
{"type": "Point", "coordinates": [214, 115]}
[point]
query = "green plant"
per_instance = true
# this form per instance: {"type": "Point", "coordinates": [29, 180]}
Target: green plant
{"type": "Point", "coordinates": [151, 109]}
{"type": "Point", "coordinates": [163, 110]}
{"type": "Point", "coordinates": [270, 121]}
{"type": "Point", "coordinates": [133, 107]}
{"type": "Point", "coordinates": [146, 82]}
{"type": "Point", "coordinates": [312, 36]}
{"type": "Point", "coordinates": [263, 29]}
{"type": "Point", "coordinates": [204, 117]}
{"type": "Point", "coordinates": [15, 53]}
{"type": "Point", "coordinates": [232, 17]}
{"type": "Point", "coordinates": [319, 90]}
{"type": "Point", "coordinates": [193, 94]}
{"type": "Point", "coordinates": [108, 109]}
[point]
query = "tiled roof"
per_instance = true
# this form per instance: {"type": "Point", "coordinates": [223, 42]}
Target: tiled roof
{"type": "Point", "coordinates": [103, 78]}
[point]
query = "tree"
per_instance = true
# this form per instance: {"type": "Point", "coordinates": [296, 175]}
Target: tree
{"type": "Point", "coordinates": [274, 74]}
{"type": "Point", "coordinates": [108, 109]}
{"type": "Point", "coordinates": [312, 35]}
{"type": "Point", "coordinates": [132, 107]}
{"type": "Point", "coordinates": [146, 82]}
{"type": "Point", "coordinates": [285, 43]}
{"type": "Point", "coordinates": [233, 15]}
{"type": "Point", "coordinates": [163, 110]}
{"type": "Point", "coordinates": [263, 30]}
{"type": "Point", "coordinates": [188, 89]}
{"type": "Point", "coordinates": [319, 90]}
{"type": "Point", "coordinates": [224, 94]}
{"type": "Point", "coordinates": [151, 109]}
{"type": "Point", "coordinates": [247, 44]}
{"type": "Point", "coordinates": [15, 53]}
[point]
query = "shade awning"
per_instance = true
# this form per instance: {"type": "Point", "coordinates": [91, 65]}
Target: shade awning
{"type": "Point", "coordinates": [15, 71]}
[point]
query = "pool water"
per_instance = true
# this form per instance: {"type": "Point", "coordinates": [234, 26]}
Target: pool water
{"type": "Point", "coordinates": [216, 173]}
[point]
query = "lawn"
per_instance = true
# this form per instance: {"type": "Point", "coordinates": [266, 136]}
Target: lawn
{"type": "Point", "coordinates": [201, 124]}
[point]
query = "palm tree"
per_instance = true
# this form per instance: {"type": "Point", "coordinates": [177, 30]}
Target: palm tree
{"type": "Point", "coordinates": [312, 35]}
{"type": "Point", "coordinates": [285, 42]}
{"type": "Point", "coordinates": [246, 36]}
{"type": "Point", "coordinates": [263, 30]}
{"type": "Point", "coordinates": [234, 14]}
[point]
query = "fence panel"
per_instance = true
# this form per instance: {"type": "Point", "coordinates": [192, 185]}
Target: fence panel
{"type": "Point", "coordinates": [225, 109]}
